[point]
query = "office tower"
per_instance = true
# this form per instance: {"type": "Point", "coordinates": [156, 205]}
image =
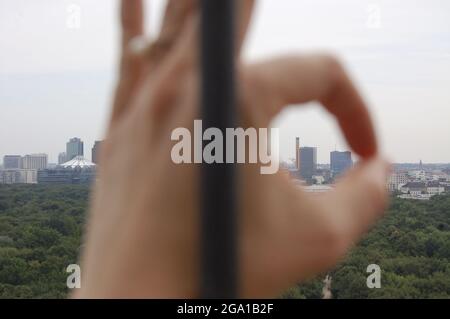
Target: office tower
{"type": "Point", "coordinates": [308, 162]}
{"type": "Point", "coordinates": [12, 161]}
{"type": "Point", "coordinates": [340, 162]}
{"type": "Point", "coordinates": [35, 161]}
{"type": "Point", "coordinates": [74, 147]}
{"type": "Point", "coordinates": [297, 158]}
{"type": "Point", "coordinates": [62, 158]}
{"type": "Point", "coordinates": [95, 151]}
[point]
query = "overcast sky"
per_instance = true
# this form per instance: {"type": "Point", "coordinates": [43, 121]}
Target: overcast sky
{"type": "Point", "coordinates": [56, 78]}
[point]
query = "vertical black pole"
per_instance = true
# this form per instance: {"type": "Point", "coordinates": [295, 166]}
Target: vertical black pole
{"type": "Point", "coordinates": [219, 264]}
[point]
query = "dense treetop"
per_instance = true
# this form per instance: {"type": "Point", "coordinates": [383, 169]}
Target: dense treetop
{"type": "Point", "coordinates": [40, 235]}
{"type": "Point", "coordinates": [41, 229]}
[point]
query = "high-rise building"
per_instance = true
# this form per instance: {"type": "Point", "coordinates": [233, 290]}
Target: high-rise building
{"type": "Point", "coordinates": [95, 151]}
{"type": "Point", "coordinates": [308, 162]}
{"type": "Point", "coordinates": [12, 161]}
{"type": "Point", "coordinates": [74, 147]}
{"type": "Point", "coordinates": [35, 161]}
{"type": "Point", "coordinates": [297, 155]}
{"type": "Point", "coordinates": [62, 158]}
{"type": "Point", "coordinates": [340, 162]}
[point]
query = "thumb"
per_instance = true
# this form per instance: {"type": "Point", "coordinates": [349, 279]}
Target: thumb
{"type": "Point", "coordinates": [360, 197]}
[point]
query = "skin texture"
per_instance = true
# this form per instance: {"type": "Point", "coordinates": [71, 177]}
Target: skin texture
{"type": "Point", "coordinates": [143, 230]}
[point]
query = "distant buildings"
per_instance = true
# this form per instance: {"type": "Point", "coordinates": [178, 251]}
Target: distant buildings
{"type": "Point", "coordinates": [322, 176]}
{"type": "Point", "coordinates": [76, 171]}
{"type": "Point", "coordinates": [62, 158]}
{"type": "Point", "coordinates": [417, 174]}
{"type": "Point", "coordinates": [12, 161]}
{"type": "Point", "coordinates": [418, 182]}
{"type": "Point", "coordinates": [95, 151]}
{"type": "Point", "coordinates": [307, 162]}
{"type": "Point", "coordinates": [415, 189]}
{"type": "Point", "coordinates": [22, 170]}
{"type": "Point", "coordinates": [79, 162]}
{"type": "Point", "coordinates": [72, 167]}
{"type": "Point", "coordinates": [435, 188]}
{"type": "Point", "coordinates": [397, 180]}
{"type": "Point", "coordinates": [32, 161]}
{"type": "Point", "coordinates": [409, 181]}
{"type": "Point", "coordinates": [18, 176]}
{"type": "Point", "coordinates": [65, 176]}
{"type": "Point", "coordinates": [75, 147]}
{"type": "Point", "coordinates": [318, 179]}
{"type": "Point", "coordinates": [35, 161]}
{"type": "Point", "coordinates": [340, 162]}
{"type": "Point", "coordinates": [306, 165]}
{"type": "Point", "coordinates": [421, 190]}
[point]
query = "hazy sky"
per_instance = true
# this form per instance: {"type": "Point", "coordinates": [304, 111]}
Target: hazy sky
{"type": "Point", "coordinates": [56, 76]}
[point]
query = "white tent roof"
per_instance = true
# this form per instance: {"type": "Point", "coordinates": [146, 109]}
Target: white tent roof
{"type": "Point", "coordinates": [78, 161]}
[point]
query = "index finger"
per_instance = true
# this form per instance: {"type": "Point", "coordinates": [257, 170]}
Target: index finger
{"type": "Point", "coordinates": [131, 19]}
{"type": "Point", "coordinates": [300, 79]}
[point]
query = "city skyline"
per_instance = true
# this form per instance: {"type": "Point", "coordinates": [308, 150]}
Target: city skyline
{"type": "Point", "coordinates": [321, 153]}
{"type": "Point", "coordinates": [74, 168]}
{"type": "Point", "coordinates": [73, 147]}
{"type": "Point", "coordinates": [291, 160]}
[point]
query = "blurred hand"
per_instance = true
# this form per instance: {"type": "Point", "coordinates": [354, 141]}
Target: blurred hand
{"type": "Point", "coordinates": [143, 229]}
